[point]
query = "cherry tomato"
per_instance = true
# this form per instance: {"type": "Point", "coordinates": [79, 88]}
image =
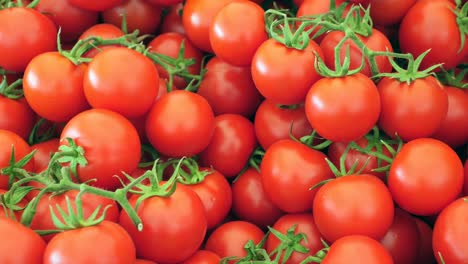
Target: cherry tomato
{"type": "Point", "coordinates": [203, 257]}
{"type": "Point", "coordinates": [100, 5]}
{"type": "Point", "coordinates": [425, 254]}
{"type": "Point", "coordinates": [8, 141]}
{"type": "Point", "coordinates": [16, 116]}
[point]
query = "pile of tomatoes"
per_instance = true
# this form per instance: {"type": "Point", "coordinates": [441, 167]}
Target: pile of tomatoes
{"type": "Point", "coordinates": [233, 131]}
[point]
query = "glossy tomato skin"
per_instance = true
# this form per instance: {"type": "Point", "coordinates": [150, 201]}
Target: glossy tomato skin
{"type": "Point", "coordinates": [180, 123]}
{"type": "Point", "coordinates": [289, 169]}
{"type": "Point", "coordinates": [203, 257]}
{"type": "Point", "coordinates": [31, 244]}
{"type": "Point", "coordinates": [107, 242]}
{"type": "Point", "coordinates": [105, 31]}
{"type": "Point", "coordinates": [389, 12]}
{"type": "Point", "coordinates": [370, 251]}
{"type": "Point", "coordinates": [53, 87]}
{"type": "Point", "coordinates": [119, 86]}
{"type": "Point", "coordinates": [273, 123]}
{"type": "Point", "coordinates": [174, 227]}
{"type": "Point", "coordinates": [229, 89]}
{"type": "Point", "coordinates": [353, 205]}
{"type": "Point", "coordinates": [108, 154]}
{"type": "Point", "coordinates": [450, 232]}
{"type": "Point", "coordinates": [16, 116]}
{"type": "Point", "coordinates": [140, 15]}
{"type": "Point", "coordinates": [173, 20]}
{"type": "Point", "coordinates": [8, 140]}
{"type": "Point", "coordinates": [43, 153]}
{"type": "Point", "coordinates": [250, 202]}
{"type": "Point", "coordinates": [20, 42]}
{"type": "Point", "coordinates": [343, 109]}
{"type": "Point", "coordinates": [432, 25]}
{"type": "Point", "coordinates": [425, 176]}
{"type": "Point", "coordinates": [231, 145]}
{"type": "Point", "coordinates": [229, 239]}
{"type": "Point", "coordinates": [272, 69]}
{"type": "Point", "coordinates": [425, 254]}
{"type": "Point", "coordinates": [101, 5]}
{"type": "Point", "coordinates": [304, 224]}
{"type": "Point", "coordinates": [412, 111]}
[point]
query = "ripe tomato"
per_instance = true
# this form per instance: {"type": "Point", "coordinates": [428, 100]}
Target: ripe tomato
{"type": "Point", "coordinates": [105, 31]}
{"type": "Point", "coordinates": [20, 41]}
{"type": "Point", "coordinates": [389, 12]}
{"type": "Point", "coordinates": [139, 14]}
{"type": "Point", "coordinates": [425, 176]}
{"type": "Point", "coordinates": [203, 257]}
{"type": "Point", "coordinates": [229, 89]}
{"type": "Point", "coordinates": [181, 123]}
{"type": "Point", "coordinates": [100, 5]}
{"type": "Point", "coordinates": [229, 239]}
{"type": "Point", "coordinates": [304, 224]}
{"type": "Point", "coordinates": [425, 254]}
{"type": "Point", "coordinates": [343, 109]}
{"type": "Point", "coordinates": [44, 150]}
{"type": "Point", "coordinates": [289, 169]}
{"type": "Point", "coordinates": [172, 22]}
{"type": "Point", "coordinates": [16, 116]}
{"type": "Point", "coordinates": [31, 245]}
{"type": "Point", "coordinates": [345, 248]}
{"type": "Point", "coordinates": [412, 111]}
{"type": "Point", "coordinates": [8, 140]}
{"type": "Point", "coordinates": [53, 87]}
{"type": "Point", "coordinates": [230, 40]}
{"type": "Point", "coordinates": [273, 123]}
{"type": "Point", "coordinates": [108, 154]}
{"type": "Point", "coordinates": [107, 242]}
{"type": "Point", "coordinates": [250, 202]}
{"type": "Point", "coordinates": [272, 67]}
{"type": "Point", "coordinates": [433, 25]}
{"type": "Point", "coordinates": [174, 226]}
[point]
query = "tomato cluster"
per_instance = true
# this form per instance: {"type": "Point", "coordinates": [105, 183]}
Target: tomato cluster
{"type": "Point", "coordinates": [234, 131]}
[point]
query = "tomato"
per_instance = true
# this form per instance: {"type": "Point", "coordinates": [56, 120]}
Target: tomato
{"type": "Point", "coordinates": [139, 14]}
{"type": "Point", "coordinates": [370, 251]}
{"type": "Point", "coordinates": [172, 22]}
{"type": "Point", "coordinates": [71, 20]}
{"type": "Point", "coordinates": [389, 12]}
{"type": "Point", "coordinates": [425, 176]}
{"type": "Point", "coordinates": [169, 44]}
{"type": "Point", "coordinates": [343, 109]}
{"type": "Point", "coordinates": [164, 2]}
{"type": "Point", "coordinates": [289, 169]}
{"type": "Point", "coordinates": [250, 202]}
{"type": "Point", "coordinates": [425, 254]}
{"type": "Point", "coordinates": [8, 140]}
{"type": "Point", "coordinates": [16, 116]}
{"type": "Point", "coordinates": [432, 25]}
{"type": "Point", "coordinates": [273, 123]}
{"type": "Point", "coordinates": [31, 245]}
{"type": "Point", "coordinates": [119, 86]}
{"type": "Point", "coordinates": [108, 154]}
{"type": "Point", "coordinates": [304, 224]}
{"type": "Point", "coordinates": [229, 239]}
{"type": "Point", "coordinates": [274, 64]}
{"type": "Point", "coordinates": [20, 41]}
{"type": "Point", "coordinates": [412, 111]}
{"type": "Point", "coordinates": [44, 150]}
{"type": "Point", "coordinates": [230, 40]}
{"type": "Point", "coordinates": [173, 227]}
{"type": "Point", "coordinates": [229, 89]}
{"type": "Point", "coordinates": [100, 5]}
{"type": "Point", "coordinates": [197, 18]}
{"type": "Point", "coordinates": [105, 31]}
{"type": "Point", "coordinates": [53, 87]}
{"type": "Point", "coordinates": [454, 127]}
{"type": "Point", "coordinates": [180, 123]}
{"type": "Point", "coordinates": [450, 232]}
{"type": "Point", "coordinates": [203, 257]}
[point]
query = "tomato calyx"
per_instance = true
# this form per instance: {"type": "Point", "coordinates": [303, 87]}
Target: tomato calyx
{"type": "Point", "coordinates": [4, 4]}
{"type": "Point", "coordinates": [289, 243]}
{"type": "Point", "coordinates": [310, 139]}
{"type": "Point", "coordinates": [341, 69]}
{"type": "Point", "coordinates": [15, 168]}
{"type": "Point", "coordinates": [194, 174]}
{"type": "Point", "coordinates": [450, 78]}
{"type": "Point", "coordinates": [255, 254]}
{"type": "Point", "coordinates": [462, 21]}
{"type": "Point", "coordinates": [10, 201]}
{"type": "Point", "coordinates": [319, 256]}
{"type": "Point", "coordinates": [255, 159]}
{"type": "Point", "coordinates": [13, 90]}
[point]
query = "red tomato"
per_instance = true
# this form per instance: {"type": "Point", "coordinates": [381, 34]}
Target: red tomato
{"type": "Point", "coordinates": [289, 169]}
{"type": "Point", "coordinates": [412, 111]}
{"type": "Point", "coordinates": [44, 150]}
{"type": "Point", "coordinates": [20, 41]}
{"type": "Point", "coordinates": [53, 87]}
{"type": "Point", "coordinates": [172, 22]}
{"type": "Point", "coordinates": [16, 116]}
{"type": "Point", "coordinates": [433, 25]}
{"type": "Point", "coordinates": [274, 65]}
{"type": "Point", "coordinates": [71, 20]}
{"type": "Point", "coordinates": [108, 154]}
{"type": "Point", "coordinates": [31, 245]}
{"type": "Point", "coordinates": [79, 245]}
{"type": "Point", "coordinates": [119, 86]}
{"type": "Point", "coordinates": [343, 109]}
{"type": "Point", "coordinates": [304, 224]}
{"type": "Point", "coordinates": [229, 239]}
{"type": "Point", "coordinates": [180, 123]}
{"type": "Point", "coordinates": [426, 176]}
{"type": "Point", "coordinates": [229, 89]}
{"type": "Point", "coordinates": [105, 31]}
{"type": "Point", "coordinates": [8, 140]}
{"type": "Point", "coordinates": [164, 2]}
{"type": "Point", "coordinates": [100, 5]}
{"type": "Point", "coordinates": [250, 202]}
{"type": "Point", "coordinates": [139, 14]}
{"type": "Point", "coordinates": [273, 123]}
{"type": "Point", "coordinates": [425, 254]}
{"type": "Point", "coordinates": [369, 251]}
{"type": "Point", "coordinates": [203, 257]}
{"type": "Point", "coordinates": [230, 40]}
{"type": "Point", "coordinates": [389, 12]}
{"type": "Point", "coordinates": [454, 128]}
{"type": "Point", "coordinates": [173, 227]}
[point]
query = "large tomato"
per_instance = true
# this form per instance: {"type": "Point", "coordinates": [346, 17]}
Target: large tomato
{"type": "Point", "coordinates": [16, 116]}
{"type": "Point", "coordinates": [100, 5]}
{"type": "Point", "coordinates": [425, 176]}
